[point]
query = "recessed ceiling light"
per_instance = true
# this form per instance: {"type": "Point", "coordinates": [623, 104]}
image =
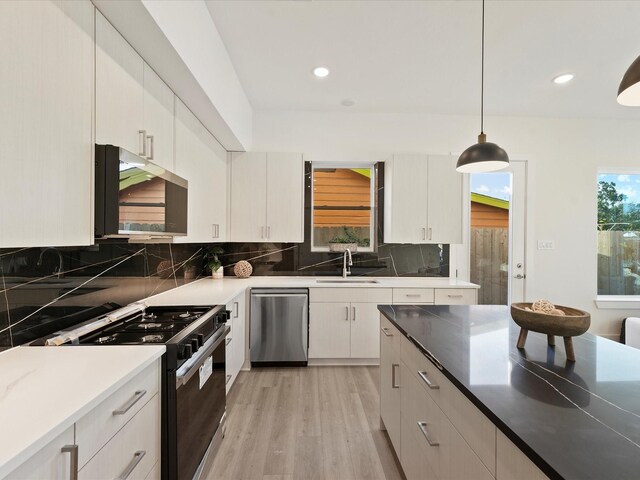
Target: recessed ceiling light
{"type": "Point", "coordinates": [321, 72]}
{"type": "Point", "coordinates": [564, 78]}
{"type": "Point", "coordinates": [347, 102]}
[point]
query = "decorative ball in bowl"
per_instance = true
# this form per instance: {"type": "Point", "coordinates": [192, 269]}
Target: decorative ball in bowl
{"type": "Point", "coordinates": [552, 320]}
{"type": "Point", "coordinates": [243, 269]}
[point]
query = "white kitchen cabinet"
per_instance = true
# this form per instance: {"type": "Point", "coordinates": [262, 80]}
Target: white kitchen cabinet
{"type": "Point", "coordinates": [345, 322]}
{"type": "Point", "coordinates": [329, 330]}
{"type": "Point", "coordinates": [456, 296]}
{"type": "Point", "coordinates": [512, 463]}
{"type": "Point", "coordinates": [390, 380]}
{"type": "Point", "coordinates": [134, 107]}
{"type": "Point", "coordinates": [236, 340]}
{"type": "Point", "coordinates": [423, 200]}
{"type": "Point", "coordinates": [202, 161]}
{"type": "Point", "coordinates": [46, 117]}
{"type": "Point", "coordinates": [52, 461]}
{"type": "Point", "coordinates": [158, 119]}
{"type": "Point", "coordinates": [267, 197]}
{"type": "Point", "coordinates": [119, 90]}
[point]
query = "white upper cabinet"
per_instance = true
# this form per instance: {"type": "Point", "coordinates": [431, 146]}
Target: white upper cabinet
{"type": "Point", "coordinates": [46, 112]}
{"type": "Point", "coordinates": [158, 119]}
{"type": "Point", "coordinates": [202, 161]}
{"type": "Point", "coordinates": [134, 107]}
{"type": "Point", "coordinates": [267, 197]}
{"type": "Point", "coordinates": [119, 90]}
{"type": "Point", "coordinates": [423, 200]}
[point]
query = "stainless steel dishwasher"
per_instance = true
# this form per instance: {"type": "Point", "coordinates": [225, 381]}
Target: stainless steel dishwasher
{"type": "Point", "coordinates": [279, 326]}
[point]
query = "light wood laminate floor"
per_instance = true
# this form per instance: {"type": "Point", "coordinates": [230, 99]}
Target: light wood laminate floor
{"type": "Point", "coordinates": [305, 423]}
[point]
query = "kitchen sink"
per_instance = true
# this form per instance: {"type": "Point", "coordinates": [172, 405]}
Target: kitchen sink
{"type": "Point", "coordinates": [345, 280]}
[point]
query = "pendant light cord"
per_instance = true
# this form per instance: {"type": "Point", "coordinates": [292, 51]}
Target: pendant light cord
{"type": "Point", "coordinates": [482, 77]}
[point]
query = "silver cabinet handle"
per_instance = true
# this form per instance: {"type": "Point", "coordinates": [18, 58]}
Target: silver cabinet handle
{"type": "Point", "coordinates": [143, 142]}
{"type": "Point", "coordinates": [426, 380]}
{"type": "Point", "coordinates": [150, 138]}
{"type": "Point", "coordinates": [228, 378]}
{"type": "Point", "coordinates": [413, 295]}
{"type": "Point", "coordinates": [424, 233]}
{"type": "Point", "coordinates": [455, 296]}
{"type": "Point", "coordinates": [261, 232]}
{"type": "Point", "coordinates": [385, 330]}
{"type": "Point", "coordinates": [236, 308]}
{"type": "Point", "coordinates": [393, 375]}
{"type": "Point", "coordinates": [213, 230]}
{"type": "Point", "coordinates": [354, 314]}
{"type": "Point", "coordinates": [423, 428]}
{"type": "Point", "coordinates": [137, 458]}
{"type": "Point", "coordinates": [429, 233]}
{"type": "Point", "coordinates": [127, 406]}
{"type": "Point", "coordinates": [346, 313]}
{"type": "Point", "coordinates": [227, 341]}
{"type": "Point", "coordinates": [268, 231]}
{"type": "Point", "coordinates": [73, 460]}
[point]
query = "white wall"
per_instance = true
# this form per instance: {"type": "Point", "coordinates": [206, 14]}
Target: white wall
{"type": "Point", "coordinates": [563, 156]}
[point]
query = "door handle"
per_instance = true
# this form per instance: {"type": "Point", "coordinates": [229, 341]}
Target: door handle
{"type": "Point", "coordinates": [424, 233]}
{"type": "Point", "coordinates": [423, 428]}
{"type": "Point", "coordinates": [393, 375]}
{"type": "Point", "coordinates": [386, 332]}
{"type": "Point", "coordinates": [236, 308]}
{"type": "Point", "coordinates": [137, 458]}
{"type": "Point", "coordinates": [127, 406]}
{"type": "Point", "coordinates": [520, 276]}
{"type": "Point", "coordinates": [347, 313]}
{"type": "Point", "coordinates": [261, 232]}
{"type": "Point", "coordinates": [268, 231]}
{"type": "Point", "coordinates": [429, 233]}
{"type": "Point", "coordinates": [354, 314]}
{"type": "Point", "coordinates": [143, 142]}
{"type": "Point", "coordinates": [426, 380]}
{"type": "Point", "coordinates": [73, 460]}
{"type": "Point", "coordinates": [150, 138]}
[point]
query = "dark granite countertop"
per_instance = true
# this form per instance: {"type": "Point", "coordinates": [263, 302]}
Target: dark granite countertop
{"type": "Point", "coordinates": [574, 420]}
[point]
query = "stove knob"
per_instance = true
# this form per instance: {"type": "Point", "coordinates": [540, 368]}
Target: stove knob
{"type": "Point", "coordinates": [185, 352]}
{"type": "Point", "coordinates": [194, 344]}
{"type": "Point", "coordinates": [200, 339]}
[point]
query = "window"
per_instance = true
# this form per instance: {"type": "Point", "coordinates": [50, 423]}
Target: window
{"type": "Point", "coordinates": [343, 200]}
{"type": "Point", "coordinates": [618, 234]}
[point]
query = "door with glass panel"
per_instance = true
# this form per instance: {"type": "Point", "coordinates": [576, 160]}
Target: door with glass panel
{"type": "Point", "coordinates": [497, 234]}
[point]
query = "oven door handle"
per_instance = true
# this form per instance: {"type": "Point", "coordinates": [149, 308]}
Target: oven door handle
{"type": "Point", "coordinates": [198, 359]}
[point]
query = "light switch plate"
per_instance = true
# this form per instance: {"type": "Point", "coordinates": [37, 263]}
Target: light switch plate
{"type": "Point", "coordinates": [546, 245]}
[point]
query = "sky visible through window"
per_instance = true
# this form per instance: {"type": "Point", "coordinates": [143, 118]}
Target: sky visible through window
{"type": "Point", "coordinates": [496, 185]}
{"type": "Point", "coordinates": [628, 185]}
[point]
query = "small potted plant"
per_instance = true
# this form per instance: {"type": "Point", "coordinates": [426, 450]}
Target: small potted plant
{"type": "Point", "coordinates": [213, 262]}
{"type": "Point", "coordinates": [347, 239]}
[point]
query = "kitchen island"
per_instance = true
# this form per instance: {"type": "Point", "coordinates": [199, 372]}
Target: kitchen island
{"type": "Point", "coordinates": [572, 420]}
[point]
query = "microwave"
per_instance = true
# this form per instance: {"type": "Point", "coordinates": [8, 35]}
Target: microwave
{"type": "Point", "coordinates": [135, 197]}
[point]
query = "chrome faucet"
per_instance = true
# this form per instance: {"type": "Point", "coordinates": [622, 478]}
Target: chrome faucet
{"type": "Point", "coordinates": [346, 270]}
{"type": "Point", "coordinates": [60, 269]}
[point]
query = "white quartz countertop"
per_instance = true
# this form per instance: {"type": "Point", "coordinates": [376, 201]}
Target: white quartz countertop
{"type": "Point", "coordinates": [208, 291]}
{"type": "Point", "coordinates": [45, 390]}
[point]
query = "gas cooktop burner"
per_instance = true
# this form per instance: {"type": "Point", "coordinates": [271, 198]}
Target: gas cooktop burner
{"type": "Point", "coordinates": [185, 316]}
{"type": "Point", "coordinates": [149, 316]}
{"type": "Point", "coordinates": [150, 326]}
{"type": "Point", "coordinates": [152, 338]}
{"type": "Point", "coordinates": [105, 339]}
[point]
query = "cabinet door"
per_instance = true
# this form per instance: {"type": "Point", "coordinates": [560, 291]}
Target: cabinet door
{"type": "Point", "coordinates": [406, 199]}
{"type": "Point", "coordinates": [48, 462]}
{"type": "Point", "coordinates": [285, 197]}
{"type": "Point", "coordinates": [444, 192]}
{"type": "Point", "coordinates": [329, 330]}
{"type": "Point", "coordinates": [390, 381]}
{"type": "Point", "coordinates": [235, 350]}
{"type": "Point", "coordinates": [119, 89]}
{"type": "Point", "coordinates": [158, 119]}
{"type": "Point", "coordinates": [248, 197]}
{"type": "Point", "coordinates": [365, 330]}
{"type": "Point", "coordinates": [216, 186]}
{"type": "Point", "coordinates": [46, 113]}
{"type": "Point", "coordinates": [512, 463]}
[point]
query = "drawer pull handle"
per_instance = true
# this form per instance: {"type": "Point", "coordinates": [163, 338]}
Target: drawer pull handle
{"type": "Point", "coordinates": [413, 295]}
{"type": "Point", "coordinates": [423, 428]}
{"type": "Point", "coordinates": [137, 458]}
{"type": "Point", "coordinates": [385, 330]}
{"type": "Point", "coordinates": [73, 460]}
{"type": "Point", "coordinates": [227, 341]}
{"type": "Point", "coordinates": [455, 296]}
{"type": "Point", "coordinates": [393, 375]}
{"type": "Point", "coordinates": [426, 380]}
{"type": "Point", "coordinates": [127, 406]}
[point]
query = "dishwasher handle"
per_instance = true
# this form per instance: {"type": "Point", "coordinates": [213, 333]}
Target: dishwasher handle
{"type": "Point", "coordinates": [271, 295]}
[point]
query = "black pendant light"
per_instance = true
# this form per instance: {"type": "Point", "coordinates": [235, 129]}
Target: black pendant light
{"type": "Point", "coordinates": [483, 156]}
{"type": "Point", "coordinates": [629, 89]}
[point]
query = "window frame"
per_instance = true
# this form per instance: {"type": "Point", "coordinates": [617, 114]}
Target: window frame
{"type": "Point", "coordinates": [372, 200]}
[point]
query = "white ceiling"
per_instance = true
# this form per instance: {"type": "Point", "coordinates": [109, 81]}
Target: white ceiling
{"type": "Point", "coordinates": [424, 56]}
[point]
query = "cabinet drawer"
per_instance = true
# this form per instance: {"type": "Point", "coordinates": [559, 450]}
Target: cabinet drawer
{"type": "Point", "coordinates": [124, 451]}
{"type": "Point", "coordinates": [455, 296]}
{"type": "Point", "coordinates": [477, 430]}
{"type": "Point", "coordinates": [350, 294]}
{"type": "Point", "coordinates": [99, 425]}
{"type": "Point", "coordinates": [448, 454]}
{"type": "Point", "coordinates": [413, 295]}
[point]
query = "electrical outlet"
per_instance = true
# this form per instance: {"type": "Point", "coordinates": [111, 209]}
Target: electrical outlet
{"type": "Point", "coordinates": [546, 245]}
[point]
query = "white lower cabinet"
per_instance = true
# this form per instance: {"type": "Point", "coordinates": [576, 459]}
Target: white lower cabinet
{"type": "Point", "coordinates": [119, 438]}
{"type": "Point", "coordinates": [344, 323]}
{"type": "Point", "coordinates": [390, 380]}
{"type": "Point", "coordinates": [513, 464]}
{"type": "Point", "coordinates": [52, 461]}
{"type": "Point", "coordinates": [236, 340]}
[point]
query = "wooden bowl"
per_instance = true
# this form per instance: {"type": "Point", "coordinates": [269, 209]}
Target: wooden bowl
{"type": "Point", "coordinates": [574, 322]}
